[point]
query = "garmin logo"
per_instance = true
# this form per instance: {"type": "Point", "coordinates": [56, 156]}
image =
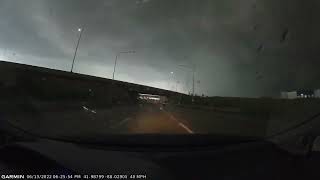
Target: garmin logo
{"type": "Point", "coordinates": [12, 176]}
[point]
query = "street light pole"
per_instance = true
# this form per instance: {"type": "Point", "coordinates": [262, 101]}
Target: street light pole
{"type": "Point", "coordinates": [193, 72]}
{"type": "Point", "coordinates": [114, 67]}
{"type": "Point", "coordinates": [193, 68]}
{"type": "Point", "coordinates": [116, 60]}
{"type": "Point", "coordinates": [171, 79]}
{"type": "Point", "coordinates": [75, 52]}
{"type": "Point", "coordinates": [177, 84]}
{"type": "Point", "coordinates": [193, 81]}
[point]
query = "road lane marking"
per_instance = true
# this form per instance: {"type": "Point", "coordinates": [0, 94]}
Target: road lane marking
{"type": "Point", "coordinates": [121, 122]}
{"type": "Point", "coordinates": [180, 123]}
{"type": "Point", "coordinates": [87, 109]}
{"type": "Point", "coordinates": [186, 128]}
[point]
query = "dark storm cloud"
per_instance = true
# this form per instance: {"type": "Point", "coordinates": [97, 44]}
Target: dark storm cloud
{"type": "Point", "coordinates": [240, 48]}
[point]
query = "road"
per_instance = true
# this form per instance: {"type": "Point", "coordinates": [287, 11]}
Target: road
{"type": "Point", "coordinates": [79, 120]}
{"type": "Point", "coordinates": [152, 118]}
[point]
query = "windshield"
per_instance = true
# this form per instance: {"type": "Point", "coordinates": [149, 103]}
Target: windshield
{"type": "Point", "coordinates": [89, 68]}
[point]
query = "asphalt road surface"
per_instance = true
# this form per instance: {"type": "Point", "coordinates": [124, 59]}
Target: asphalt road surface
{"type": "Point", "coordinates": [79, 120]}
{"type": "Point", "coordinates": [152, 118]}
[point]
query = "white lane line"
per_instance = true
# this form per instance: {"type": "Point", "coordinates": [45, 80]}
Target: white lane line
{"type": "Point", "coordinates": [180, 123]}
{"type": "Point", "coordinates": [87, 109]}
{"type": "Point", "coordinates": [122, 122]}
{"type": "Point", "coordinates": [186, 128]}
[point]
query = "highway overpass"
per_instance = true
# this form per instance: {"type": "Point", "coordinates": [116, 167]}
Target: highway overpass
{"type": "Point", "coordinates": [44, 83]}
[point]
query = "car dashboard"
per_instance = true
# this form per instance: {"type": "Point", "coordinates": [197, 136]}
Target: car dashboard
{"type": "Point", "coordinates": [250, 160]}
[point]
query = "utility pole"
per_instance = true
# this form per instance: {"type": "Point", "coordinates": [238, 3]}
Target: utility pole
{"type": "Point", "coordinates": [75, 52]}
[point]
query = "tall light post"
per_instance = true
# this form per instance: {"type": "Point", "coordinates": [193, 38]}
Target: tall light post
{"type": "Point", "coordinates": [198, 82]}
{"type": "Point", "coordinates": [171, 79]}
{"type": "Point", "coordinates": [193, 68]}
{"type": "Point", "coordinates": [115, 61]}
{"type": "Point", "coordinates": [75, 52]}
{"type": "Point", "coordinates": [179, 68]}
{"type": "Point", "coordinates": [177, 84]}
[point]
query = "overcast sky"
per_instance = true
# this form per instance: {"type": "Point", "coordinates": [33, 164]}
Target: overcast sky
{"type": "Point", "coordinates": [240, 47]}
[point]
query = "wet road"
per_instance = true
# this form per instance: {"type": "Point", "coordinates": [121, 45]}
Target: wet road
{"type": "Point", "coordinates": [76, 120]}
{"type": "Point", "coordinates": [152, 118]}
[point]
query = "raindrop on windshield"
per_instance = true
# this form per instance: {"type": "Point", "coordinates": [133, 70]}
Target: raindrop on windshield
{"type": "Point", "coordinates": [284, 35]}
{"type": "Point", "coordinates": [260, 48]}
